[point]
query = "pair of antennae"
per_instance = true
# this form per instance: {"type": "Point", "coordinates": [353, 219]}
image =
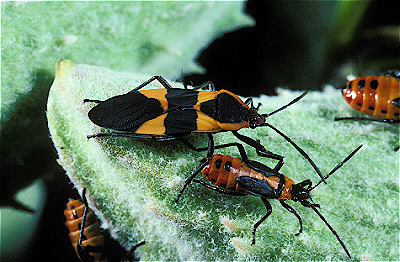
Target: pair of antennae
{"type": "Point", "coordinates": [301, 151]}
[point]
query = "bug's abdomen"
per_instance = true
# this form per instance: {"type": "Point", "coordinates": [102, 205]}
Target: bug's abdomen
{"type": "Point", "coordinates": [223, 171]}
{"type": "Point", "coordinates": [377, 96]}
{"type": "Point", "coordinates": [92, 234]}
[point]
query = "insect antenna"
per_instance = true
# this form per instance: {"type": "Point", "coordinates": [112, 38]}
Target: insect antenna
{"type": "Point", "coordinates": [328, 225]}
{"type": "Point", "coordinates": [301, 151]}
{"type": "Point", "coordinates": [338, 166]}
{"type": "Point", "coordinates": [285, 106]}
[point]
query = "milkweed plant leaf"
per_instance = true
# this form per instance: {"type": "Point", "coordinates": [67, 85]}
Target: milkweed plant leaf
{"type": "Point", "coordinates": [132, 184]}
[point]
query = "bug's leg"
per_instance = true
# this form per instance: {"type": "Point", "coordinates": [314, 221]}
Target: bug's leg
{"type": "Point", "coordinates": [278, 165]}
{"type": "Point", "coordinates": [130, 256]}
{"type": "Point", "coordinates": [208, 84]}
{"type": "Point", "coordinates": [291, 210]}
{"type": "Point", "coordinates": [393, 73]}
{"type": "Point", "coordinates": [83, 218]}
{"type": "Point", "coordinates": [133, 136]}
{"type": "Point", "coordinates": [206, 162]}
{"type": "Point", "coordinates": [269, 210]}
{"type": "Point", "coordinates": [190, 179]}
{"type": "Point", "coordinates": [160, 79]}
{"type": "Point", "coordinates": [391, 121]}
{"type": "Point", "coordinates": [249, 102]}
{"type": "Point", "coordinates": [210, 147]}
{"type": "Point", "coordinates": [92, 100]}
{"type": "Point", "coordinates": [260, 149]}
{"type": "Point", "coordinates": [83, 251]}
{"type": "Point", "coordinates": [218, 189]}
{"type": "Point", "coordinates": [240, 147]}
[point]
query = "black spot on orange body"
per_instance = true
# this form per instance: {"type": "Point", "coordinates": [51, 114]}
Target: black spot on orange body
{"type": "Point", "coordinates": [377, 96]}
{"type": "Point", "coordinates": [234, 168]}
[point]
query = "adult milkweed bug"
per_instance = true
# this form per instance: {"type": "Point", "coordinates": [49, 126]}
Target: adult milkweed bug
{"type": "Point", "coordinates": [85, 233]}
{"type": "Point", "coordinates": [239, 177]}
{"type": "Point", "coordinates": [377, 96]}
{"type": "Point", "coordinates": [169, 113]}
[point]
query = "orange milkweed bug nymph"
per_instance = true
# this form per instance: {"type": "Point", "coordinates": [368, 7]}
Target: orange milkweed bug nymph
{"type": "Point", "coordinates": [85, 233]}
{"type": "Point", "coordinates": [169, 113]}
{"type": "Point", "coordinates": [239, 177]}
{"type": "Point", "coordinates": [377, 96]}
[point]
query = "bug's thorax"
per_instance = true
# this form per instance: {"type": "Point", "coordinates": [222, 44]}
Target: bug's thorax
{"type": "Point", "coordinates": [286, 192]}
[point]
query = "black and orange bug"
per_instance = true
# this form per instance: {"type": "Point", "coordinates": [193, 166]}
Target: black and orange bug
{"type": "Point", "coordinates": [169, 113]}
{"type": "Point", "coordinates": [377, 96]}
{"type": "Point", "coordinates": [85, 233]}
{"type": "Point", "coordinates": [239, 177]}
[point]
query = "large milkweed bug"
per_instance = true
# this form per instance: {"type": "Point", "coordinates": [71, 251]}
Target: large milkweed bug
{"type": "Point", "coordinates": [85, 233]}
{"type": "Point", "coordinates": [377, 96]}
{"type": "Point", "coordinates": [169, 113]}
{"type": "Point", "coordinates": [239, 177]}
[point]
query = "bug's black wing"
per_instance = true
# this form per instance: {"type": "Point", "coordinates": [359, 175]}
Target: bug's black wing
{"type": "Point", "coordinates": [256, 187]}
{"type": "Point", "coordinates": [182, 117]}
{"type": "Point", "coordinates": [125, 112]}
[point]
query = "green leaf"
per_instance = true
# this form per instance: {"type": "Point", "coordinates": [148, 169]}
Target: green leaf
{"type": "Point", "coordinates": [132, 183]}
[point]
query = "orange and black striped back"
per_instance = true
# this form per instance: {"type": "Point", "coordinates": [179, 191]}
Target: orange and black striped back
{"type": "Point", "coordinates": [92, 234]}
{"type": "Point", "coordinates": [377, 96]}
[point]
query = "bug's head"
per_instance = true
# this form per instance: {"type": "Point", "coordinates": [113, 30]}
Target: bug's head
{"type": "Point", "coordinates": [255, 119]}
{"type": "Point", "coordinates": [301, 191]}
{"type": "Point", "coordinates": [205, 161]}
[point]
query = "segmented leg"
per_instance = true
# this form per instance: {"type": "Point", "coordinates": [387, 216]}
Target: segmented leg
{"type": "Point", "coordinates": [256, 225]}
{"type": "Point", "coordinates": [291, 210]}
{"type": "Point", "coordinates": [83, 251]}
{"type": "Point", "coordinates": [208, 84]}
{"type": "Point", "coordinates": [130, 256]}
{"type": "Point", "coordinates": [206, 162]}
{"type": "Point", "coordinates": [160, 79]}
{"type": "Point", "coordinates": [92, 100]}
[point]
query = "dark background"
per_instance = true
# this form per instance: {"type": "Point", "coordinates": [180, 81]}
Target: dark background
{"type": "Point", "coordinates": [248, 61]}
